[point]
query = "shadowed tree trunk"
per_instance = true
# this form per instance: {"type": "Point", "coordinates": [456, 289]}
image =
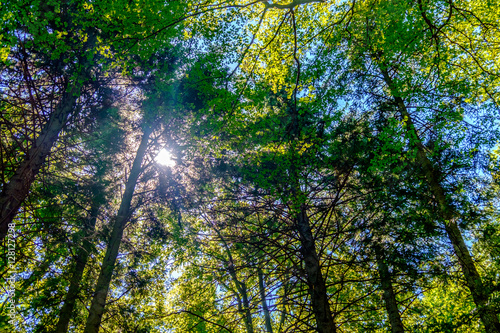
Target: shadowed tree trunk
{"type": "Point", "coordinates": [315, 280]}
{"type": "Point", "coordinates": [17, 189]}
{"type": "Point", "coordinates": [244, 303]}
{"type": "Point", "coordinates": [284, 303]}
{"type": "Point", "coordinates": [479, 292]}
{"type": "Point", "coordinates": [242, 289]}
{"type": "Point", "coordinates": [262, 290]}
{"type": "Point", "coordinates": [391, 304]}
{"type": "Point", "coordinates": [81, 261]}
{"type": "Point", "coordinates": [108, 264]}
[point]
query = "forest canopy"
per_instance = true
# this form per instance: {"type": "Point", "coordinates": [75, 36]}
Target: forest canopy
{"type": "Point", "coordinates": [249, 166]}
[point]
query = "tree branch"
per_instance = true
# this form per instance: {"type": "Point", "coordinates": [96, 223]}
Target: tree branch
{"type": "Point", "coordinates": [291, 5]}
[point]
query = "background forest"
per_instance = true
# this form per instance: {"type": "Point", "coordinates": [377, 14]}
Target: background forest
{"type": "Point", "coordinates": [249, 166]}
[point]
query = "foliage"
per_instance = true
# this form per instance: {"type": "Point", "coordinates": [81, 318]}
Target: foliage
{"type": "Point", "coordinates": [326, 156]}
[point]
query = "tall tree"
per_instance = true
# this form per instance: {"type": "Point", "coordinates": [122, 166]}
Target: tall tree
{"type": "Point", "coordinates": [71, 81]}
{"type": "Point", "coordinates": [122, 217]}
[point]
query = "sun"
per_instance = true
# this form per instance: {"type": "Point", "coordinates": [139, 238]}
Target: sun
{"type": "Point", "coordinates": [164, 157]}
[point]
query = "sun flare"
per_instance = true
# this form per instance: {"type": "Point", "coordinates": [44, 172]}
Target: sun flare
{"type": "Point", "coordinates": [165, 158]}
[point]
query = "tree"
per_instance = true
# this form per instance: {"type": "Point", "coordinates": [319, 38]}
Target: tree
{"type": "Point", "coordinates": [333, 168]}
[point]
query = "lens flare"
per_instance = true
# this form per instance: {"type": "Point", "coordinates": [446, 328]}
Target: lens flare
{"type": "Point", "coordinates": [164, 157]}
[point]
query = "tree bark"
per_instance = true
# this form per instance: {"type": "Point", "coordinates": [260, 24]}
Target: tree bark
{"type": "Point", "coordinates": [246, 306]}
{"type": "Point", "coordinates": [479, 292]}
{"type": "Point", "coordinates": [242, 291]}
{"type": "Point", "coordinates": [17, 189]}
{"type": "Point", "coordinates": [284, 304]}
{"type": "Point", "coordinates": [262, 290]}
{"type": "Point", "coordinates": [391, 304]}
{"type": "Point", "coordinates": [240, 287]}
{"type": "Point", "coordinates": [103, 282]}
{"type": "Point", "coordinates": [243, 302]}
{"type": "Point", "coordinates": [81, 261]}
{"type": "Point", "coordinates": [316, 284]}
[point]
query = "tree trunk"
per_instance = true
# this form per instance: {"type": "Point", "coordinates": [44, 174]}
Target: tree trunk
{"type": "Point", "coordinates": [17, 189]}
{"type": "Point", "coordinates": [243, 302]}
{"type": "Point", "coordinates": [240, 287]}
{"type": "Point", "coordinates": [103, 282]}
{"type": "Point", "coordinates": [284, 303]}
{"type": "Point", "coordinates": [246, 307]}
{"type": "Point", "coordinates": [262, 289]}
{"type": "Point", "coordinates": [391, 304]}
{"type": "Point", "coordinates": [479, 292]}
{"type": "Point", "coordinates": [81, 261]}
{"type": "Point", "coordinates": [315, 281]}
{"type": "Point", "coordinates": [242, 291]}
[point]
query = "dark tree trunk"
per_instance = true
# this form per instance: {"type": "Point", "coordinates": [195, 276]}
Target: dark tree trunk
{"type": "Point", "coordinates": [244, 305]}
{"type": "Point", "coordinates": [315, 281]}
{"type": "Point", "coordinates": [262, 290]}
{"type": "Point", "coordinates": [103, 282]}
{"type": "Point", "coordinates": [243, 302]}
{"type": "Point", "coordinates": [17, 189]}
{"type": "Point", "coordinates": [391, 304]}
{"type": "Point", "coordinates": [479, 292]}
{"type": "Point", "coordinates": [284, 303]}
{"type": "Point", "coordinates": [82, 257]}
{"type": "Point", "coordinates": [241, 294]}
